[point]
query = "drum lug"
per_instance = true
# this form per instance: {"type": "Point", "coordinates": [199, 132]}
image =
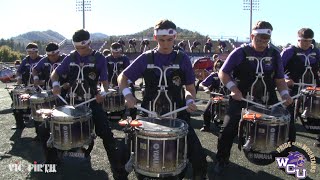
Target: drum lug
{"type": "Point", "coordinates": [129, 164]}
{"type": "Point", "coordinates": [247, 145]}
{"type": "Point", "coordinates": [50, 141]}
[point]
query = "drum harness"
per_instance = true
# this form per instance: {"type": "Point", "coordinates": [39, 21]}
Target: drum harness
{"type": "Point", "coordinates": [52, 67]}
{"type": "Point", "coordinates": [115, 71]}
{"type": "Point", "coordinates": [307, 73]}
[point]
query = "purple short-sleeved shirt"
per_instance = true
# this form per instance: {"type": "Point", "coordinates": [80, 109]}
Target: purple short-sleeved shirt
{"type": "Point", "coordinates": [42, 63]}
{"type": "Point", "coordinates": [212, 80]}
{"type": "Point", "coordinates": [287, 54]}
{"type": "Point", "coordinates": [139, 65]}
{"type": "Point", "coordinates": [32, 62]}
{"type": "Point", "coordinates": [101, 66]}
{"type": "Point", "coordinates": [237, 56]}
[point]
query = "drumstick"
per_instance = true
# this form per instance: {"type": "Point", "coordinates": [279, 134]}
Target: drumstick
{"type": "Point", "coordinates": [92, 99]}
{"type": "Point", "coordinates": [281, 102]}
{"type": "Point", "coordinates": [146, 110]}
{"type": "Point", "coordinates": [219, 94]}
{"type": "Point", "coordinates": [303, 84]}
{"type": "Point", "coordinates": [252, 102]}
{"type": "Point", "coordinates": [62, 99]}
{"type": "Point", "coordinates": [180, 109]}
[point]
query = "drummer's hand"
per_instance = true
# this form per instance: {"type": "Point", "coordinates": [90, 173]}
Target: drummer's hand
{"type": "Point", "coordinates": [66, 86]}
{"type": "Point", "coordinates": [56, 90]}
{"type": "Point", "coordinates": [191, 107]}
{"type": "Point", "coordinates": [130, 101]}
{"type": "Point", "coordinates": [236, 93]}
{"type": "Point", "coordinates": [289, 82]}
{"type": "Point", "coordinates": [99, 98]}
{"type": "Point", "coordinates": [288, 99]}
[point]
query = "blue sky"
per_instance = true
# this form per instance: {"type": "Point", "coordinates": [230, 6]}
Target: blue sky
{"type": "Point", "coordinates": [118, 17]}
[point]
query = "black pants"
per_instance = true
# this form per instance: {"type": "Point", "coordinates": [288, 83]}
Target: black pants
{"type": "Point", "coordinates": [19, 115]}
{"type": "Point", "coordinates": [115, 155]}
{"type": "Point", "coordinates": [229, 130]}
{"type": "Point", "coordinates": [208, 114]}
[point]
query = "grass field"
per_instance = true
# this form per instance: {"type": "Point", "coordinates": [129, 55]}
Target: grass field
{"type": "Point", "coordinates": [18, 147]}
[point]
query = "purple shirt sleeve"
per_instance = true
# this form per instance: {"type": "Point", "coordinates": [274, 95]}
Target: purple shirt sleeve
{"type": "Point", "coordinates": [286, 54]}
{"type": "Point", "coordinates": [212, 80]}
{"type": "Point", "coordinates": [233, 60]}
{"type": "Point", "coordinates": [126, 61]}
{"type": "Point", "coordinates": [40, 65]}
{"type": "Point", "coordinates": [135, 70]}
{"type": "Point", "coordinates": [22, 66]}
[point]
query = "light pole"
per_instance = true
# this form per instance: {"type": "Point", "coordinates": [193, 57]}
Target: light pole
{"type": "Point", "coordinates": [251, 5]}
{"type": "Point", "coordinates": [82, 5]}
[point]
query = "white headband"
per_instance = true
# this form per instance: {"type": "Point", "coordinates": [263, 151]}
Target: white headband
{"type": "Point", "coordinates": [262, 31]}
{"type": "Point", "coordinates": [307, 39]}
{"type": "Point", "coordinates": [116, 50]}
{"type": "Point", "coordinates": [166, 32]}
{"type": "Point", "coordinates": [53, 52]}
{"type": "Point", "coordinates": [81, 43]}
{"type": "Point", "coordinates": [32, 50]}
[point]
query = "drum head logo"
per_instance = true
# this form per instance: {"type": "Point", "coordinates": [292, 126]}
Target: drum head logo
{"type": "Point", "coordinates": [92, 75]}
{"type": "Point", "coordinates": [176, 80]}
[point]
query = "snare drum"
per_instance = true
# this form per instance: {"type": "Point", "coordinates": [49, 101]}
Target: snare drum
{"type": "Point", "coordinates": [310, 109]}
{"type": "Point", "coordinates": [114, 102]}
{"type": "Point", "coordinates": [42, 100]}
{"type": "Point", "coordinates": [263, 132]}
{"type": "Point", "coordinates": [160, 147]}
{"type": "Point", "coordinates": [21, 97]}
{"type": "Point", "coordinates": [71, 127]}
{"type": "Point", "coordinates": [219, 109]}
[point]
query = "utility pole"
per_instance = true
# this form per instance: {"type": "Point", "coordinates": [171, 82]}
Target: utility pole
{"type": "Point", "coordinates": [251, 5]}
{"type": "Point", "coordinates": [83, 5]}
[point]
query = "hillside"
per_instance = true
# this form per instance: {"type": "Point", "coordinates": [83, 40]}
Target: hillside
{"type": "Point", "coordinates": [39, 36]}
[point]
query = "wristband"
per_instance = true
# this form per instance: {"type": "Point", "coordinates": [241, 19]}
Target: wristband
{"type": "Point", "coordinates": [230, 84]}
{"type": "Point", "coordinates": [189, 101]}
{"type": "Point", "coordinates": [126, 91]}
{"type": "Point", "coordinates": [55, 83]}
{"type": "Point", "coordinates": [103, 93]}
{"type": "Point", "coordinates": [35, 77]}
{"type": "Point", "coordinates": [284, 92]}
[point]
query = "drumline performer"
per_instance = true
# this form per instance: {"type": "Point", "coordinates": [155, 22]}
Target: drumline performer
{"type": "Point", "coordinates": [24, 78]}
{"type": "Point", "coordinates": [85, 67]}
{"type": "Point", "coordinates": [41, 76]}
{"type": "Point", "coordinates": [165, 71]}
{"type": "Point", "coordinates": [116, 63]}
{"type": "Point", "coordinates": [212, 84]}
{"type": "Point", "coordinates": [301, 63]}
{"type": "Point", "coordinates": [238, 74]}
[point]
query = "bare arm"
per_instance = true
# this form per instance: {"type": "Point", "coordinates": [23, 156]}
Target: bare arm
{"type": "Point", "coordinates": [283, 90]}
{"type": "Point", "coordinates": [190, 92]}
{"type": "Point", "coordinates": [131, 101]}
{"type": "Point", "coordinates": [190, 96]}
{"type": "Point", "coordinates": [225, 79]}
{"type": "Point", "coordinates": [55, 85]}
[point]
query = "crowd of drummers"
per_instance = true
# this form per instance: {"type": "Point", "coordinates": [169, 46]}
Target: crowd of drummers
{"type": "Point", "coordinates": [257, 94]}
